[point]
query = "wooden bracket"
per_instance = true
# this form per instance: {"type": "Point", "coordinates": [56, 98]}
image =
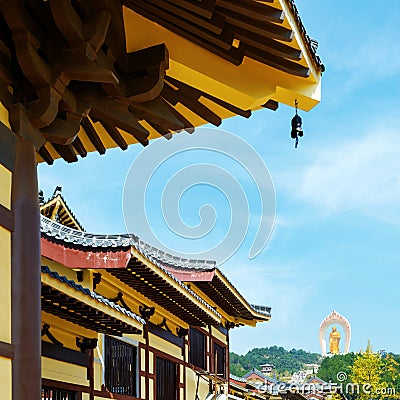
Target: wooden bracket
{"type": "Point", "coordinates": [146, 312]}
{"type": "Point", "coordinates": [85, 344]}
{"type": "Point", "coordinates": [164, 325]}
{"type": "Point", "coordinates": [96, 279]}
{"type": "Point", "coordinates": [46, 332]}
{"type": "Point", "coordinates": [182, 332]}
{"type": "Point", "coordinates": [120, 299]}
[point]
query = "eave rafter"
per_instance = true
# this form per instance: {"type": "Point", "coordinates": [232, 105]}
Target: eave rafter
{"type": "Point", "coordinates": [213, 284]}
{"type": "Point", "coordinates": [162, 290]}
{"type": "Point", "coordinates": [216, 290]}
{"type": "Point", "coordinates": [231, 29]}
{"type": "Point", "coordinates": [70, 301]}
{"type": "Point", "coordinates": [56, 208]}
{"type": "Point", "coordinates": [71, 64]}
{"type": "Point", "coordinates": [71, 87]}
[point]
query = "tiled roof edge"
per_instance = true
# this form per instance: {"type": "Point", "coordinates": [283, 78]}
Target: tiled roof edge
{"type": "Point", "coordinates": [159, 257]}
{"type": "Point", "coordinates": [237, 378]}
{"type": "Point", "coordinates": [312, 44]}
{"type": "Point", "coordinates": [190, 291]}
{"type": "Point", "coordinates": [58, 193]}
{"type": "Point", "coordinates": [264, 310]}
{"type": "Point", "coordinates": [69, 235]}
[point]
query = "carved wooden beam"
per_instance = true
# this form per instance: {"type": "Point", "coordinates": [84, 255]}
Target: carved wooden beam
{"type": "Point", "coordinates": [84, 42]}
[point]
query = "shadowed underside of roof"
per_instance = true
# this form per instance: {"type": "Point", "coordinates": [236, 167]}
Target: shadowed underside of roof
{"type": "Point", "coordinates": [77, 77]}
{"type": "Point", "coordinates": [214, 284]}
{"type": "Point", "coordinates": [234, 29]}
{"type": "Point", "coordinates": [79, 305]}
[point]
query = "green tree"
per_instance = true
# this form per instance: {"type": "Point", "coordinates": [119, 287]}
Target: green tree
{"type": "Point", "coordinates": [337, 368]}
{"type": "Point", "coordinates": [366, 372]}
{"type": "Point", "coordinates": [391, 375]}
{"type": "Point", "coordinates": [285, 362]}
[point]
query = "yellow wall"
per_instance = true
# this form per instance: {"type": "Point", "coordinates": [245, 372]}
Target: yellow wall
{"type": "Point", "coordinates": [64, 372]}
{"type": "Point", "coordinates": [218, 335]}
{"type": "Point", "coordinates": [5, 285]}
{"type": "Point", "coordinates": [165, 346]}
{"type": "Point", "coordinates": [5, 379]}
{"type": "Point", "coordinates": [5, 187]}
{"type": "Point", "coordinates": [98, 374]}
{"type": "Point", "coordinates": [191, 383]}
{"type": "Point", "coordinates": [64, 331]}
{"type": "Point", "coordinates": [4, 115]}
{"type": "Point", "coordinates": [5, 274]}
{"type": "Point", "coordinates": [68, 272]}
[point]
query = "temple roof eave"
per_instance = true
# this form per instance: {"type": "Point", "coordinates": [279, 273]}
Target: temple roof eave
{"type": "Point", "coordinates": [114, 86]}
{"type": "Point", "coordinates": [117, 254]}
{"type": "Point", "coordinates": [68, 300]}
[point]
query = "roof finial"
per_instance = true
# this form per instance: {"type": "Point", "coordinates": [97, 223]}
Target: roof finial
{"type": "Point", "coordinates": [57, 191]}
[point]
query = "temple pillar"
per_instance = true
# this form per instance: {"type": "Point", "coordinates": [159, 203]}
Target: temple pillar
{"type": "Point", "coordinates": [7, 159]}
{"type": "Point", "coordinates": [25, 275]}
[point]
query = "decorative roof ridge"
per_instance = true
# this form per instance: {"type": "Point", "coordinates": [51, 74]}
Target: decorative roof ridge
{"type": "Point", "coordinates": [55, 275]}
{"type": "Point", "coordinates": [85, 239]}
{"type": "Point", "coordinates": [260, 374]}
{"type": "Point", "coordinates": [168, 260]}
{"type": "Point", "coordinates": [237, 378]}
{"type": "Point", "coordinates": [311, 44]}
{"type": "Point", "coordinates": [68, 235]}
{"type": "Point", "coordinates": [57, 193]}
{"type": "Point", "coordinates": [264, 310]}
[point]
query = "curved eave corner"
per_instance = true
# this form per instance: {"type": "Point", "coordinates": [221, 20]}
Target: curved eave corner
{"type": "Point", "coordinates": [248, 85]}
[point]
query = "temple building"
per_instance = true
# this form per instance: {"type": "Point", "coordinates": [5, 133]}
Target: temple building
{"type": "Point", "coordinates": [121, 319]}
{"type": "Point", "coordinates": [80, 76]}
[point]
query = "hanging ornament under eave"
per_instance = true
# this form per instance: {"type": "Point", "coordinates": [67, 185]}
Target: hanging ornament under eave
{"type": "Point", "coordinates": [297, 129]}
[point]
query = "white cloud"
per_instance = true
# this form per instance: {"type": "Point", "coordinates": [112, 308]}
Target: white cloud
{"type": "Point", "coordinates": [361, 175]}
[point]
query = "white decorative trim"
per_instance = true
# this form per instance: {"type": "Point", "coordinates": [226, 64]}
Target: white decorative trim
{"type": "Point", "coordinates": [334, 318]}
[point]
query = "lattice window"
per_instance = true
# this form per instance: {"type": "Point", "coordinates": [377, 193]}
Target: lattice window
{"type": "Point", "coordinates": [57, 394]}
{"type": "Point", "coordinates": [197, 355]}
{"type": "Point", "coordinates": [120, 367]}
{"type": "Point", "coordinates": [166, 384]}
{"type": "Point", "coordinates": [220, 358]}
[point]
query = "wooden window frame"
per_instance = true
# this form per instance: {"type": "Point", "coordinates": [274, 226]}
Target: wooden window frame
{"type": "Point", "coordinates": [74, 395]}
{"type": "Point", "coordinates": [204, 352]}
{"type": "Point", "coordinates": [135, 378]}
{"type": "Point", "coordinates": [224, 347]}
{"type": "Point", "coordinates": [177, 377]}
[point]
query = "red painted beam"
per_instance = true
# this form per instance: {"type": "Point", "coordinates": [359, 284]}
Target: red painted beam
{"type": "Point", "coordinates": [191, 276]}
{"type": "Point", "coordinates": [77, 258]}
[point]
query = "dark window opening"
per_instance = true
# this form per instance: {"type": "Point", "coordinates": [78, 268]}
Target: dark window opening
{"type": "Point", "coordinates": [120, 367]}
{"type": "Point", "coordinates": [57, 394]}
{"type": "Point", "coordinates": [166, 375]}
{"type": "Point", "coordinates": [197, 354]}
{"type": "Point", "coordinates": [220, 360]}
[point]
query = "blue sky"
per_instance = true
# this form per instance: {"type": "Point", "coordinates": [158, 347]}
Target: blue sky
{"type": "Point", "coordinates": [336, 240]}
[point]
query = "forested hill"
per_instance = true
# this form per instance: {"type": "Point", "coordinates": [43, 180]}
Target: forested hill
{"type": "Point", "coordinates": [285, 361]}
